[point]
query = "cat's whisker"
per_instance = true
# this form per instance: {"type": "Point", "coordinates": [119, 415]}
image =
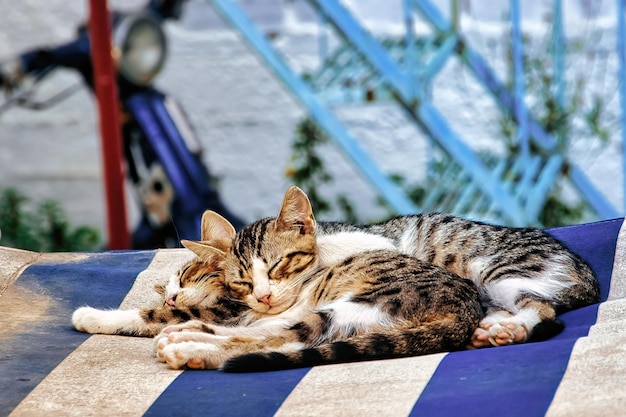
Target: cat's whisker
{"type": "Point", "coordinates": [297, 281]}
{"type": "Point", "coordinates": [175, 229]}
{"type": "Point", "coordinates": [235, 300]}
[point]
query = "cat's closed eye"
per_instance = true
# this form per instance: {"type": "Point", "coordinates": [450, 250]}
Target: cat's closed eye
{"type": "Point", "coordinates": [240, 288]}
{"type": "Point", "coordinates": [274, 271]}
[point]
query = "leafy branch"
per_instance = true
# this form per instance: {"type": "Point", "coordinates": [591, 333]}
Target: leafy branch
{"type": "Point", "coordinates": [306, 170]}
{"type": "Point", "coordinates": [46, 229]}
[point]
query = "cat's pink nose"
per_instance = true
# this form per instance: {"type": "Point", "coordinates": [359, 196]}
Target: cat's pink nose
{"type": "Point", "coordinates": [171, 301]}
{"type": "Point", "coordinates": [265, 299]}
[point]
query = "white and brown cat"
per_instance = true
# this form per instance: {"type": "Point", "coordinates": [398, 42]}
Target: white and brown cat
{"type": "Point", "coordinates": [373, 304]}
{"type": "Point", "coordinates": [524, 275]}
{"type": "Point", "coordinates": [196, 292]}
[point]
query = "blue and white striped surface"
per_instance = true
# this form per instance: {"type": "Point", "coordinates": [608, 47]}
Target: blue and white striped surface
{"type": "Point", "coordinates": [47, 368]}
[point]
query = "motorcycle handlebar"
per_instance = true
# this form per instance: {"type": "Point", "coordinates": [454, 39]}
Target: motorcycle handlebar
{"type": "Point", "coordinates": [38, 62]}
{"type": "Point", "coordinates": [75, 54]}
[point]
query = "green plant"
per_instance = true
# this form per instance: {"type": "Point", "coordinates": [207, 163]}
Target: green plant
{"type": "Point", "coordinates": [576, 114]}
{"type": "Point", "coordinates": [46, 229]}
{"type": "Point", "coordinates": [558, 213]}
{"type": "Point", "coordinates": [306, 170]}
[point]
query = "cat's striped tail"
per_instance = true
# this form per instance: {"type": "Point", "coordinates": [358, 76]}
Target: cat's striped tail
{"type": "Point", "coordinates": [430, 338]}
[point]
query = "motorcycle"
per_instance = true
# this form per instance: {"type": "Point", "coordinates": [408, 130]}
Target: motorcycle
{"type": "Point", "coordinates": [162, 153]}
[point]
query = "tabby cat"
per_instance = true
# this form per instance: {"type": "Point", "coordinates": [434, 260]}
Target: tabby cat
{"type": "Point", "coordinates": [371, 305]}
{"type": "Point", "coordinates": [195, 292]}
{"type": "Point", "coordinates": [525, 276]}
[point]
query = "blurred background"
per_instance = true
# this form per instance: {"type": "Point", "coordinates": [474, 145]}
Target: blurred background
{"type": "Point", "coordinates": [255, 131]}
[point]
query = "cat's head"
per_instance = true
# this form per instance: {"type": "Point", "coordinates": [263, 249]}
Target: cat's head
{"type": "Point", "coordinates": [200, 283]}
{"type": "Point", "coordinates": [270, 259]}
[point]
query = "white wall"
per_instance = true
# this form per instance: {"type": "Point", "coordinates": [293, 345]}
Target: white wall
{"type": "Point", "coordinates": [243, 115]}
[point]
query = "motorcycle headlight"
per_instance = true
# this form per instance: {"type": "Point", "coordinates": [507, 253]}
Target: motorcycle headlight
{"type": "Point", "coordinates": [140, 48]}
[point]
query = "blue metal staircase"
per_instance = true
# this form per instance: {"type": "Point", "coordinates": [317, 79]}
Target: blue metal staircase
{"type": "Point", "coordinates": [511, 189]}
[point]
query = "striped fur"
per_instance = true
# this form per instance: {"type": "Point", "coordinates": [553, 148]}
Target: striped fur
{"type": "Point", "coordinates": [373, 304]}
{"type": "Point", "coordinates": [488, 254]}
{"type": "Point", "coordinates": [525, 276]}
{"type": "Point", "coordinates": [196, 292]}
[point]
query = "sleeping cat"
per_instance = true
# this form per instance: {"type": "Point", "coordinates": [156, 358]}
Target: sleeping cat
{"type": "Point", "coordinates": [195, 292]}
{"type": "Point", "coordinates": [371, 305]}
{"type": "Point", "coordinates": [525, 276]}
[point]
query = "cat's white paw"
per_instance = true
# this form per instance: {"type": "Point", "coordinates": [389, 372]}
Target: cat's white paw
{"type": "Point", "coordinates": [499, 329]}
{"type": "Point", "coordinates": [165, 339]}
{"type": "Point", "coordinates": [192, 325]}
{"type": "Point", "coordinates": [193, 355]}
{"type": "Point", "coordinates": [94, 321]}
{"type": "Point", "coordinates": [194, 330]}
{"type": "Point", "coordinates": [85, 319]}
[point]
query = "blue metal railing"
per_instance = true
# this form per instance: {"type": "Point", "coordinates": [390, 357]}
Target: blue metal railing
{"type": "Point", "coordinates": [516, 188]}
{"type": "Point", "coordinates": [390, 191]}
{"type": "Point", "coordinates": [520, 111]}
{"type": "Point", "coordinates": [510, 103]}
{"type": "Point", "coordinates": [621, 55]}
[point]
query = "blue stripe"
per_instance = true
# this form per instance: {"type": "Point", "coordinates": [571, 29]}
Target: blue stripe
{"type": "Point", "coordinates": [101, 280]}
{"type": "Point", "coordinates": [521, 380]}
{"type": "Point", "coordinates": [513, 381]}
{"type": "Point", "coordinates": [237, 395]}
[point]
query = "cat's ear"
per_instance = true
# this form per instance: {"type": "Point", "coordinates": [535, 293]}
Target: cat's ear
{"type": "Point", "coordinates": [204, 250]}
{"type": "Point", "coordinates": [296, 212]}
{"type": "Point", "coordinates": [216, 227]}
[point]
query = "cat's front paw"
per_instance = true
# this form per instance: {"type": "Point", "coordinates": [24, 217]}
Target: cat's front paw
{"type": "Point", "coordinates": [188, 326]}
{"type": "Point", "coordinates": [82, 318]}
{"type": "Point", "coordinates": [127, 322]}
{"type": "Point", "coordinates": [91, 320]}
{"type": "Point", "coordinates": [499, 329]}
{"type": "Point", "coordinates": [165, 339]}
{"type": "Point", "coordinates": [192, 355]}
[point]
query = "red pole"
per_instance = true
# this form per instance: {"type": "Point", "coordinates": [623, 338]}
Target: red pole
{"type": "Point", "coordinates": [111, 138]}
